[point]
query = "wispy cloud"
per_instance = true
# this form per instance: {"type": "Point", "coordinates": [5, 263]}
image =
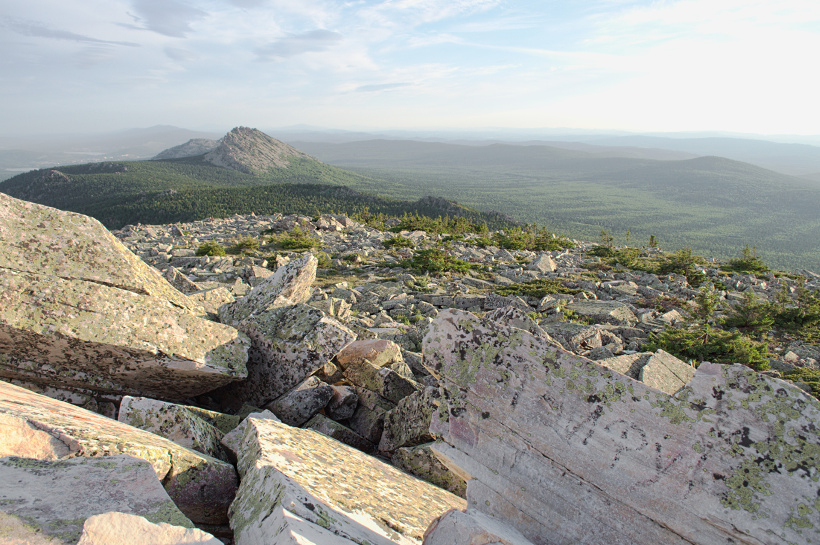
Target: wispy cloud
{"type": "Point", "coordinates": [168, 17]}
{"type": "Point", "coordinates": [376, 87]}
{"type": "Point", "coordinates": [35, 29]}
{"type": "Point", "coordinates": [306, 42]}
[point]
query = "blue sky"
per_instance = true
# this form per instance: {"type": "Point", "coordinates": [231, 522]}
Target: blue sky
{"type": "Point", "coordinates": [686, 65]}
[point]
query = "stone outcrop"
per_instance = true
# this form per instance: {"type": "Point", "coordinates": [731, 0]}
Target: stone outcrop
{"type": "Point", "coordinates": [568, 451]}
{"type": "Point", "coordinates": [290, 470]}
{"type": "Point", "coordinates": [252, 152]}
{"type": "Point", "coordinates": [115, 528]}
{"type": "Point", "coordinates": [50, 500]}
{"type": "Point", "coordinates": [81, 311]}
{"type": "Point", "coordinates": [39, 427]}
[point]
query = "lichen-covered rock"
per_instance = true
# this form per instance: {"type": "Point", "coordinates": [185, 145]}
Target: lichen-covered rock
{"type": "Point", "coordinates": [289, 344]}
{"type": "Point", "coordinates": [368, 419]}
{"type": "Point", "coordinates": [568, 451]}
{"type": "Point", "coordinates": [385, 381]}
{"type": "Point", "coordinates": [202, 487]}
{"type": "Point", "coordinates": [342, 403]}
{"type": "Point", "coordinates": [329, 484]}
{"type": "Point", "coordinates": [666, 372]}
{"type": "Point", "coordinates": [233, 440]}
{"type": "Point", "coordinates": [471, 528]}
{"type": "Point", "coordinates": [177, 278]}
{"type": "Point", "coordinates": [409, 423]}
{"type": "Point", "coordinates": [46, 241]}
{"type": "Point", "coordinates": [288, 285]}
{"type": "Point", "coordinates": [377, 352]}
{"type": "Point", "coordinates": [69, 333]}
{"type": "Point", "coordinates": [607, 312]}
{"type": "Point", "coordinates": [115, 528]}
{"type": "Point", "coordinates": [300, 404]}
{"type": "Point", "coordinates": [52, 499]}
{"type": "Point", "coordinates": [422, 462]}
{"type": "Point", "coordinates": [179, 423]}
{"type": "Point", "coordinates": [331, 428]}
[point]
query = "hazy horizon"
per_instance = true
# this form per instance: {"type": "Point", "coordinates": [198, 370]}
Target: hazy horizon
{"type": "Point", "coordinates": [678, 66]}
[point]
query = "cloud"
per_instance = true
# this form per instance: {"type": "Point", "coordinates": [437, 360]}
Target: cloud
{"type": "Point", "coordinates": [379, 87]}
{"type": "Point", "coordinates": [167, 17]}
{"type": "Point", "coordinates": [306, 42]}
{"type": "Point", "coordinates": [180, 55]}
{"type": "Point", "coordinates": [32, 28]}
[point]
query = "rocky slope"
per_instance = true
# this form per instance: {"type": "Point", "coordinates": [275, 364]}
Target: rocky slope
{"type": "Point", "coordinates": [565, 431]}
{"type": "Point", "coordinates": [191, 148]}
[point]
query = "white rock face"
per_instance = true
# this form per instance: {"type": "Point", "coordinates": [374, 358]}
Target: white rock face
{"type": "Point", "coordinates": [328, 484]}
{"type": "Point", "coordinates": [54, 498]}
{"type": "Point", "coordinates": [568, 451]}
{"type": "Point", "coordinates": [115, 528]}
{"type": "Point", "coordinates": [471, 528]}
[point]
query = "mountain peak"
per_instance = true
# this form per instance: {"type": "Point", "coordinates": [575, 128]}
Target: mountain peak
{"type": "Point", "coordinates": [251, 151]}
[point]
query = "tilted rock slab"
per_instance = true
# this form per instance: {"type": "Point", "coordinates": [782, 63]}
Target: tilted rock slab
{"type": "Point", "coordinates": [43, 240]}
{"type": "Point", "coordinates": [471, 528]}
{"type": "Point", "coordinates": [39, 427]}
{"type": "Point", "coordinates": [183, 425]}
{"type": "Point", "coordinates": [69, 333]}
{"type": "Point", "coordinates": [568, 451]}
{"type": "Point", "coordinates": [329, 484]}
{"type": "Point", "coordinates": [290, 284]}
{"type": "Point", "coordinates": [52, 499]}
{"type": "Point", "coordinates": [289, 344]}
{"type": "Point", "coordinates": [115, 528]}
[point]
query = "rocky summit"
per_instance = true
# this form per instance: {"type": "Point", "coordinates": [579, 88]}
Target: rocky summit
{"type": "Point", "coordinates": [289, 379]}
{"type": "Point", "coordinates": [251, 151]}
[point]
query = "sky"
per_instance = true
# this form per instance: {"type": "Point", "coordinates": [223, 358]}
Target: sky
{"type": "Point", "coordinates": [742, 66]}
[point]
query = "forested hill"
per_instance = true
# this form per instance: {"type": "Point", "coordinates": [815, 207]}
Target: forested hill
{"type": "Point", "coordinates": [189, 189]}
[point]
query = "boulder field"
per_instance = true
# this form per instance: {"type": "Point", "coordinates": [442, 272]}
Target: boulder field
{"type": "Point", "coordinates": [148, 394]}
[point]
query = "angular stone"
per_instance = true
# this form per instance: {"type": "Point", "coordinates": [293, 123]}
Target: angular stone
{"type": "Point", "coordinates": [67, 333]}
{"type": "Point", "coordinates": [542, 263]}
{"type": "Point", "coordinates": [331, 428]}
{"type": "Point", "coordinates": [289, 344]}
{"type": "Point", "coordinates": [233, 440]}
{"type": "Point", "coordinates": [42, 240]}
{"type": "Point", "coordinates": [115, 528]}
{"type": "Point", "coordinates": [568, 451]}
{"type": "Point", "coordinates": [627, 364]}
{"type": "Point", "coordinates": [494, 301]}
{"type": "Point", "coordinates": [201, 486]}
{"type": "Point", "coordinates": [382, 380]}
{"type": "Point", "coordinates": [577, 338]}
{"type": "Point", "coordinates": [666, 372]}
{"type": "Point", "coordinates": [288, 285]}
{"type": "Point", "coordinates": [52, 499]}
{"type": "Point", "coordinates": [343, 403]}
{"type": "Point", "coordinates": [179, 423]}
{"type": "Point", "coordinates": [290, 468]}
{"type": "Point", "coordinates": [409, 423]}
{"type": "Point", "coordinates": [300, 404]}
{"type": "Point", "coordinates": [515, 317]}
{"type": "Point", "coordinates": [377, 352]}
{"type": "Point", "coordinates": [177, 278]}
{"type": "Point", "coordinates": [422, 462]}
{"type": "Point", "coordinates": [212, 299]}
{"type": "Point", "coordinates": [609, 312]}
{"type": "Point", "coordinates": [368, 420]}
{"type": "Point", "coordinates": [471, 528]}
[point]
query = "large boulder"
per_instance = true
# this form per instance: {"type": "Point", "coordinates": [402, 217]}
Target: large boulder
{"type": "Point", "coordinates": [568, 451]}
{"type": "Point", "coordinates": [290, 471]}
{"type": "Point", "coordinates": [290, 284]}
{"type": "Point", "coordinates": [81, 311]}
{"type": "Point", "coordinates": [36, 426]}
{"type": "Point", "coordinates": [50, 500]}
{"type": "Point", "coordinates": [289, 343]}
{"type": "Point", "coordinates": [115, 528]}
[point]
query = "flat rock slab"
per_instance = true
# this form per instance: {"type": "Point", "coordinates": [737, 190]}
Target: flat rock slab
{"type": "Point", "coordinates": [568, 451]}
{"type": "Point", "coordinates": [53, 499]}
{"type": "Point", "coordinates": [609, 312]}
{"type": "Point", "coordinates": [43, 240]}
{"type": "Point", "coordinates": [116, 528]}
{"type": "Point", "coordinates": [38, 426]}
{"type": "Point", "coordinates": [472, 528]}
{"type": "Point", "coordinates": [70, 333]}
{"type": "Point", "coordinates": [340, 480]}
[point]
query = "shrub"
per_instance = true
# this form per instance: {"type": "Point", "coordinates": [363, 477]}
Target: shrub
{"type": "Point", "coordinates": [683, 262]}
{"type": "Point", "coordinates": [436, 261]}
{"type": "Point", "coordinates": [809, 376]}
{"type": "Point", "coordinates": [538, 288]}
{"type": "Point", "coordinates": [296, 239]}
{"type": "Point", "coordinates": [247, 244]}
{"type": "Point", "coordinates": [210, 248]}
{"type": "Point", "coordinates": [748, 264]}
{"type": "Point", "coordinates": [705, 343]}
{"type": "Point", "coordinates": [751, 315]}
{"type": "Point", "coordinates": [399, 242]}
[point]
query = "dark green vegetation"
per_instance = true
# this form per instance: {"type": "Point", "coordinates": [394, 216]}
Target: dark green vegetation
{"type": "Point", "coordinates": [710, 204]}
{"type": "Point", "coordinates": [181, 190]}
{"type": "Point", "coordinates": [435, 261]}
{"type": "Point", "coordinates": [538, 288]}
